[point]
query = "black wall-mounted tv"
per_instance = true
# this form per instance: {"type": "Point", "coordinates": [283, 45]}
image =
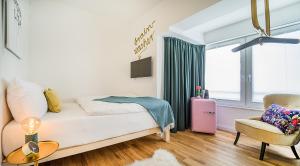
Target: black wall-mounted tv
{"type": "Point", "coordinates": [141, 68]}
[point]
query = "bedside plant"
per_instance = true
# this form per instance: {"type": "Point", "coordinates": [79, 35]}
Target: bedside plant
{"type": "Point", "coordinates": [198, 91]}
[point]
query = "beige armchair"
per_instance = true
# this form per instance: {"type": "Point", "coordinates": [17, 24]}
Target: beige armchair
{"type": "Point", "coordinates": [266, 133]}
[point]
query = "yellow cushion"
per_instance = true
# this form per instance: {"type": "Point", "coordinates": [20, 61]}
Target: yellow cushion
{"type": "Point", "coordinates": [52, 100]}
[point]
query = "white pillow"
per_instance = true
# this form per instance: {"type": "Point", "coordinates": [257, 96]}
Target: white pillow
{"type": "Point", "coordinates": [26, 99]}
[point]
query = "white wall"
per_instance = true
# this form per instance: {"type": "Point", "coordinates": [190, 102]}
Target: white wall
{"type": "Point", "coordinates": [11, 67]}
{"type": "Point", "coordinates": [227, 115]}
{"type": "Point", "coordinates": [80, 53]}
{"type": "Point", "coordinates": [73, 50]}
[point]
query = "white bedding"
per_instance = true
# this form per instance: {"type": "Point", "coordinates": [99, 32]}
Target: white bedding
{"type": "Point", "coordinates": [72, 127]}
{"type": "Point", "coordinates": [99, 108]}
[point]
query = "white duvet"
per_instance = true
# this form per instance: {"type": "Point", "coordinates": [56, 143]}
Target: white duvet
{"type": "Point", "coordinates": [98, 108]}
{"type": "Point", "coordinates": [72, 127]}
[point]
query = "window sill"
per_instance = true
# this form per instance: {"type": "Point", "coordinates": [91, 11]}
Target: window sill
{"type": "Point", "coordinates": [239, 105]}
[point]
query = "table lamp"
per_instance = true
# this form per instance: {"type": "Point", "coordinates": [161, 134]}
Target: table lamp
{"type": "Point", "coordinates": [31, 126]}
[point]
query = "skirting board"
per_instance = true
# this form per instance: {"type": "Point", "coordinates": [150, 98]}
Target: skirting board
{"type": "Point", "coordinates": [96, 145]}
{"type": "Point", "coordinates": [226, 128]}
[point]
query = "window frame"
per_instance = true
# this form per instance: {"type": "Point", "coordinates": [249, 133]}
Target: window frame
{"type": "Point", "coordinates": [246, 79]}
{"type": "Point", "coordinates": [227, 102]}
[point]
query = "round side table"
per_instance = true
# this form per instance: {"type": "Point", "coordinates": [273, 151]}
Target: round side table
{"type": "Point", "coordinates": [46, 148]}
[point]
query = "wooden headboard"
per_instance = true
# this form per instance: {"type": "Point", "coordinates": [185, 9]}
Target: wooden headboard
{"type": "Point", "coordinates": [5, 115]}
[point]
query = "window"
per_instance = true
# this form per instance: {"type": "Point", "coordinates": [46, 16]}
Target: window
{"type": "Point", "coordinates": [244, 78]}
{"type": "Point", "coordinates": [275, 68]}
{"type": "Point", "coordinates": [223, 73]}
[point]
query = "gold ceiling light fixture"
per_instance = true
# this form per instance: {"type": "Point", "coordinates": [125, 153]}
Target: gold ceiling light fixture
{"type": "Point", "coordinates": [265, 34]}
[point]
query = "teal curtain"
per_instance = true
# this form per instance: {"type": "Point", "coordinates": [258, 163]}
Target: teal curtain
{"type": "Point", "coordinates": [183, 70]}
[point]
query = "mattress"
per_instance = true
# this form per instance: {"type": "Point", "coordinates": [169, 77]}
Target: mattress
{"type": "Point", "coordinates": [73, 127]}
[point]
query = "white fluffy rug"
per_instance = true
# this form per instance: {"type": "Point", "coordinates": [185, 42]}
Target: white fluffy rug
{"type": "Point", "coordinates": [160, 157]}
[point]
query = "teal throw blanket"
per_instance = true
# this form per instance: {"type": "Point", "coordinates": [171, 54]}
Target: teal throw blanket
{"type": "Point", "coordinates": [160, 110]}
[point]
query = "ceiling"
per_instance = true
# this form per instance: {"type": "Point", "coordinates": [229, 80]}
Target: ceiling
{"type": "Point", "coordinates": [125, 10]}
{"type": "Point", "coordinates": [223, 13]}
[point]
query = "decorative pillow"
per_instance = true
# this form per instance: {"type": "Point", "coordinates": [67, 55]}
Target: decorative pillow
{"type": "Point", "coordinates": [284, 119]}
{"type": "Point", "coordinates": [52, 100]}
{"type": "Point", "coordinates": [26, 99]}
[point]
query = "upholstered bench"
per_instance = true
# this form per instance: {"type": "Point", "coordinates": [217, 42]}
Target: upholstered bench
{"type": "Point", "coordinates": [266, 133]}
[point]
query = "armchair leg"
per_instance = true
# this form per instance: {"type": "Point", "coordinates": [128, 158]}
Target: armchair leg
{"type": "Point", "coordinates": [295, 152]}
{"type": "Point", "coordinates": [262, 151]}
{"type": "Point", "coordinates": [237, 138]}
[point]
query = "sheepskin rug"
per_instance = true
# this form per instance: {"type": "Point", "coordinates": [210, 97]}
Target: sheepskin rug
{"type": "Point", "coordinates": [160, 157]}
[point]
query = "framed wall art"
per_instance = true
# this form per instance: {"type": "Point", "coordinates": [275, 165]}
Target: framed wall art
{"type": "Point", "coordinates": [13, 22]}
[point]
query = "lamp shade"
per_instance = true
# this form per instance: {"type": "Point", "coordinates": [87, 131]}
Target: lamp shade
{"type": "Point", "coordinates": [31, 125]}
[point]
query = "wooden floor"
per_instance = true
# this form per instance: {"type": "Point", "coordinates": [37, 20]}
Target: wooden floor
{"type": "Point", "coordinates": [189, 148]}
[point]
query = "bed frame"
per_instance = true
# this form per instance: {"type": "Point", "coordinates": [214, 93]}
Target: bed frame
{"type": "Point", "coordinates": [107, 142]}
{"type": "Point", "coordinates": [64, 152]}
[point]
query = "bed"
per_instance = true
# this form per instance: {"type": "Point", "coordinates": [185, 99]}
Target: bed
{"type": "Point", "coordinates": [93, 132]}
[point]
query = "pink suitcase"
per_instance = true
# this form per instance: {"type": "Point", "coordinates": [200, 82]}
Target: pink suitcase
{"type": "Point", "coordinates": [203, 115]}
